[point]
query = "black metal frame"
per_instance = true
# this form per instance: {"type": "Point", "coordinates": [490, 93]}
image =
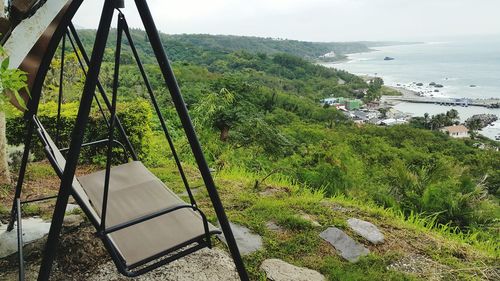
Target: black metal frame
{"type": "Point", "coordinates": [73, 152]}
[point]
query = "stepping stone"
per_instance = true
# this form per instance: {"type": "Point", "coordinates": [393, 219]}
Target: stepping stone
{"type": "Point", "coordinates": [271, 225]}
{"type": "Point", "coordinates": [72, 221]}
{"type": "Point", "coordinates": [71, 207]}
{"type": "Point", "coordinates": [345, 245]}
{"type": "Point", "coordinates": [247, 241]}
{"type": "Point", "coordinates": [308, 218]}
{"type": "Point", "coordinates": [367, 230]}
{"type": "Point", "coordinates": [278, 270]}
{"type": "Point", "coordinates": [33, 229]}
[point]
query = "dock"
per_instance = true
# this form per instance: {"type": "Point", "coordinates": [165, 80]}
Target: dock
{"type": "Point", "coordinates": [489, 103]}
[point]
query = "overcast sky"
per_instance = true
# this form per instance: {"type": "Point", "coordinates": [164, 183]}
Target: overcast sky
{"type": "Point", "coordinates": [317, 20]}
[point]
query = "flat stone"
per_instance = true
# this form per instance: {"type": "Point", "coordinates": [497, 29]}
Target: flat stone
{"type": "Point", "coordinates": [308, 218]}
{"type": "Point", "coordinates": [345, 245]}
{"type": "Point", "coordinates": [278, 270]}
{"type": "Point", "coordinates": [247, 241]}
{"type": "Point", "coordinates": [71, 207]}
{"type": "Point", "coordinates": [271, 225]}
{"type": "Point", "coordinates": [366, 230]}
{"type": "Point", "coordinates": [33, 229]}
{"type": "Point", "coordinates": [72, 221]}
{"type": "Point", "coordinates": [203, 265]}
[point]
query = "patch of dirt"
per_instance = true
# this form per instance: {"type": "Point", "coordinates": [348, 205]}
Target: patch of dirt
{"type": "Point", "coordinates": [79, 253]}
{"type": "Point", "coordinates": [421, 266]}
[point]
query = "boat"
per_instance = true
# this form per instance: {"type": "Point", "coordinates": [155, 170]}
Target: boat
{"type": "Point", "coordinates": [388, 58]}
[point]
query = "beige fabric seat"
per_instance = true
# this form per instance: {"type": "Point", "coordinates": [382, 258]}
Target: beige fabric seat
{"type": "Point", "coordinates": [135, 192]}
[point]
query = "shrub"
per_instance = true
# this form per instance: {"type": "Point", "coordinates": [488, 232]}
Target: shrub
{"type": "Point", "coordinates": [135, 118]}
{"type": "Point", "coordinates": [15, 155]}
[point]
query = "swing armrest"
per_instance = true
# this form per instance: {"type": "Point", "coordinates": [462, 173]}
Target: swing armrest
{"type": "Point", "coordinates": [102, 142]}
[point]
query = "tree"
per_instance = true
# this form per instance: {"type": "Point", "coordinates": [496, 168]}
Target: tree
{"type": "Point", "coordinates": [474, 124]}
{"type": "Point", "coordinates": [11, 82]}
{"type": "Point", "coordinates": [217, 110]}
{"type": "Point", "coordinates": [374, 90]}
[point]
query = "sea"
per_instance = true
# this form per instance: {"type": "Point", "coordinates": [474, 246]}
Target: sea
{"type": "Point", "coordinates": [466, 67]}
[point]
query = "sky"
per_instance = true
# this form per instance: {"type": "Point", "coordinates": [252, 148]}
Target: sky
{"type": "Point", "coordinates": [316, 20]}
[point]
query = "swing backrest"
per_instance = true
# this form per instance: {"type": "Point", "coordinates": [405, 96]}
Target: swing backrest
{"type": "Point", "coordinates": [58, 160]}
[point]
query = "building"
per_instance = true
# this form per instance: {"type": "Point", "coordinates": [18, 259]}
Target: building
{"type": "Point", "coordinates": [457, 131]}
{"type": "Point", "coordinates": [350, 104]}
{"type": "Point", "coordinates": [392, 122]}
{"type": "Point", "coordinates": [353, 104]}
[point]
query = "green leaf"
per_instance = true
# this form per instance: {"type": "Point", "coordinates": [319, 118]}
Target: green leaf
{"type": "Point", "coordinates": [5, 64]}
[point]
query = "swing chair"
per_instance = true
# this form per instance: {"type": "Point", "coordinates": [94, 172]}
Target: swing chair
{"type": "Point", "coordinates": [142, 223]}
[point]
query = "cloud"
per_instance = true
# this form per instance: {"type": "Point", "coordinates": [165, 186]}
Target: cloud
{"type": "Point", "coordinates": [316, 20]}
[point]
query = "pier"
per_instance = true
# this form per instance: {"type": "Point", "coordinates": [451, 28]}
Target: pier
{"type": "Point", "coordinates": [489, 103]}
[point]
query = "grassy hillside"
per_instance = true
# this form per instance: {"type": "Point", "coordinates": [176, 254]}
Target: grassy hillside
{"type": "Point", "coordinates": [279, 154]}
{"type": "Point", "coordinates": [414, 248]}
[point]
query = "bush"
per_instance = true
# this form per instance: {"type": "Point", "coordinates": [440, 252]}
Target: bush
{"type": "Point", "coordinates": [135, 118]}
{"type": "Point", "coordinates": [15, 155]}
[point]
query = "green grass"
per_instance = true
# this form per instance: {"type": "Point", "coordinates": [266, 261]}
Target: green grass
{"type": "Point", "coordinates": [299, 242]}
{"type": "Point", "coordinates": [387, 91]}
{"type": "Point", "coordinates": [293, 207]}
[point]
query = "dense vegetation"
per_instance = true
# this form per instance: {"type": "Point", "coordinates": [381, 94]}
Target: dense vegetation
{"type": "Point", "coordinates": [257, 110]}
{"type": "Point", "coordinates": [189, 47]}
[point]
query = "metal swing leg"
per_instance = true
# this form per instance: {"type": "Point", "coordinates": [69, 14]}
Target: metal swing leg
{"type": "Point", "coordinates": [180, 106]}
{"type": "Point", "coordinates": [22, 172]}
{"type": "Point", "coordinates": [76, 140]}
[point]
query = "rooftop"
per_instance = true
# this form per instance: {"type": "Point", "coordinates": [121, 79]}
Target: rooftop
{"type": "Point", "coordinates": [455, 129]}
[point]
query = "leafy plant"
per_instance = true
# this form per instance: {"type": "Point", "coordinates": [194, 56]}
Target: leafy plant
{"type": "Point", "coordinates": [11, 81]}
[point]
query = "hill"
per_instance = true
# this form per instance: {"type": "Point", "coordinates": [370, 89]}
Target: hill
{"type": "Point", "coordinates": [178, 44]}
{"type": "Point", "coordinates": [281, 157]}
{"type": "Point", "coordinates": [289, 219]}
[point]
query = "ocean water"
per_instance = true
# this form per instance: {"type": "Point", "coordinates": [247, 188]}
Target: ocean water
{"type": "Point", "coordinates": [456, 64]}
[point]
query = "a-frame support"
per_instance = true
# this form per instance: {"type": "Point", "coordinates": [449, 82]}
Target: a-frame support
{"type": "Point", "coordinates": [77, 135]}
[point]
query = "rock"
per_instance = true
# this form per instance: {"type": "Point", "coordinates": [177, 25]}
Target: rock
{"type": "Point", "coordinates": [278, 270]}
{"type": "Point", "coordinates": [72, 221]}
{"type": "Point", "coordinates": [420, 84]}
{"type": "Point", "coordinates": [482, 119]}
{"type": "Point", "coordinates": [438, 86]}
{"type": "Point", "coordinates": [271, 225]}
{"type": "Point", "coordinates": [432, 84]}
{"type": "Point", "coordinates": [366, 230]}
{"type": "Point", "coordinates": [421, 266]}
{"type": "Point", "coordinates": [308, 218]}
{"type": "Point", "coordinates": [203, 265]}
{"type": "Point", "coordinates": [388, 58]}
{"type": "Point", "coordinates": [345, 245]}
{"type": "Point", "coordinates": [247, 241]}
{"type": "Point", "coordinates": [33, 229]}
{"type": "Point", "coordinates": [71, 207]}
{"type": "Point", "coordinates": [472, 86]}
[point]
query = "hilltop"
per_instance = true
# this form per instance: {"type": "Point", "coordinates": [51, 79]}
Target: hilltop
{"type": "Point", "coordinates": [288, 167]}
{"type": "Point", "coordinates": [206, 43]}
